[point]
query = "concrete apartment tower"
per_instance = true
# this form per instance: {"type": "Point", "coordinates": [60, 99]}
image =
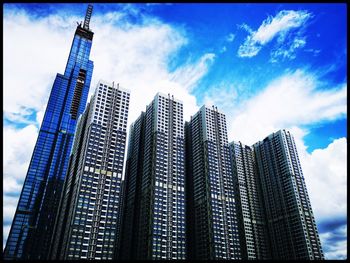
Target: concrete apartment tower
{"type": "Point", "coordinates": [89, 219]}
{"type": "Point", "coordinates": [290, 221]}
{"type": "Point", "coordinates": [154, 214]}
{"type": "Point", "coordinates": [212, 228]}
{"type": "Point", "coordinates": [250, 206]}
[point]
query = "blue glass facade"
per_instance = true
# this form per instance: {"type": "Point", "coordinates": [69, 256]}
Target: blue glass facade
{"type": "Point", "coordinates": [30, 234]}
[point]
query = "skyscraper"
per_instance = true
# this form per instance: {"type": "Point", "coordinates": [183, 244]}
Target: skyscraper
{"type": "Point", "coordinates": [132, 187]}
{"type": "Point", "coordinates": [89, 219]}
{"type": "Point", "coordinates": [290, 220]}
{"type": "Point", "coordinates": [212, 219]}
{"type": "Point", "coordinates": [154, 221]}
{"type": "Point", "coordinates": [250, 207]}
{"type": "Point", "coordinates": [31, 229]}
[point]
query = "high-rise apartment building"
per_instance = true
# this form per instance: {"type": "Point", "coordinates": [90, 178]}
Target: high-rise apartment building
{"type": "Point", "coordinates": [31, 229]}
{"type": "Point", "coordinates": [211, 205]}
{"type": "Point", "coordinates": [132, 187]}
{"type": "Point", "coordinates": [154, 218]}
{"type": "Point", "coordinates": [289, 217]}
{"type": "Point", "coordinates": [250, 207]}
{"type": "Point", "coordinates": [88, 224]}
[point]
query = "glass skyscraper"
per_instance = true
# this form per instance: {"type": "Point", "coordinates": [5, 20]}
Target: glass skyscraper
{"type": "Point", "coordinates": [31, 230]}
{"type": "Point", "coordinates": [212, 228]}
{"type": "Point", "coordinates": [291, 224]}
{"type": "Point", "coordinates": [154, 215]}
{"type": "Point", "coordinates": [250, 207]}
{"type": "Point", "coordinates": [88, 224]}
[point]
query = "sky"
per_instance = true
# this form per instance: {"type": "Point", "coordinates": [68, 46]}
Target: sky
{"type": "Point", "coordinates": [266, 66]}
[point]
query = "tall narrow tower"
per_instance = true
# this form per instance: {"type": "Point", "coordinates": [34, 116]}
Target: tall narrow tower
{"type": "Point", "coordinates": [154, 221]}
{"type": "Point", "coordinates": [290, 220]}
{"type": "Point", "coordinates": [211, 204]}
{"type": "Point", "coordinates": [88, 223]}
{"type": "Point", "coordinates": [32, 226]}
{"type": "Point", "coordinates": [250, 206]}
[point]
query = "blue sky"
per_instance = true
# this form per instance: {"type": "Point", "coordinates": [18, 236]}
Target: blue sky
{"type": "Point", "coordinates": [266, 66]}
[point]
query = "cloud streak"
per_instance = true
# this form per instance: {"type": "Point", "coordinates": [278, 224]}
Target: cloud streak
{"type": "Point", "coordinates": [288, 52]}
{"type": "Point", "coordinates": [271, 27]}
{"type": "Point", "coordinates": [291, 100]}
{"type": "Point", "coordinates": [334, 242]}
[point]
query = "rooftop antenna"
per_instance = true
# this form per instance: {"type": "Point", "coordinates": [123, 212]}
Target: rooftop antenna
{"type": "Point", "coordinates": [87, 17]}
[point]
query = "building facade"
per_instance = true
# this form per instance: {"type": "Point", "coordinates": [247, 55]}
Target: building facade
{"type": "Point", "coordinates": [89, 220]}
{"type": "Point", "coordinates": [250, 207]}
{"type": "Point", "coordinates": [32, 226]}
{"type": "Point", "coordinates": [154, 221]}
{"type": "Point", "coordinates": [211, 219]}
{"type": "Point", "coordinates": [132, 187]}
{"type": "Point", "coordinates": [291, 224]}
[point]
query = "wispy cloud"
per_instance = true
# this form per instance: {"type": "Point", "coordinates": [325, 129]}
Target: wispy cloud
{"type": "Point", "coordinates": [287, 51]}
{"type": "Point", "coordinates": [223, 49]}
{"type": "Point", "coordinates": [315, 52]}
{"type": "Point", "coordinates": [245, 27]}
{"type": "Point", "coordinates": [292, 99]}
{"type": "Point", "coordinates": [283, 22]}
{"type": "Point", "coordinates": [189, 74]}
{"type": "Point", "coordinates": [334, 242]}
{"type": "Point", "coordinates": [222, 95]}
{"type": "Point", "coordinates": [230, 37]}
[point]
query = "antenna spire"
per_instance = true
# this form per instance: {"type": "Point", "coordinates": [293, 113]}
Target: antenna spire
{"type": "Point", "coordinates": [87, 17]}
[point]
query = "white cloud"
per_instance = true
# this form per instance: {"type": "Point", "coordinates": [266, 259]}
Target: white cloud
{"type": "Point", "coordinates": [230, 37]}
{"type": "Point", "coordinates": [246, 28]}
{"type": "Point", "coordinates": [221, 95]}
{"type": "Point", "coordinates": [189, 75]}
{"type": "Point", "coordinates": [6, 231]}
{"type": "Point", "coordinates": [223, 49]}
{"type": "Point", "coordinates": [325, 176]}
{"type": "Point", "coordinates": [283, 22]}
{"type": "Point", "coordinates": [287, 52]}
{"type": "Point", "coordinates": [339, 250]}
{"type": "Point", "coordinates": [137, 58]}
{"type": "Point", "coordinates": [9, 208]}
{"type": "Point", "coordinates": [18, 147]}
{"type": "Point", "coordinates": [290, 100]}
{"type": "Point", "coordinates": [334, 243]}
